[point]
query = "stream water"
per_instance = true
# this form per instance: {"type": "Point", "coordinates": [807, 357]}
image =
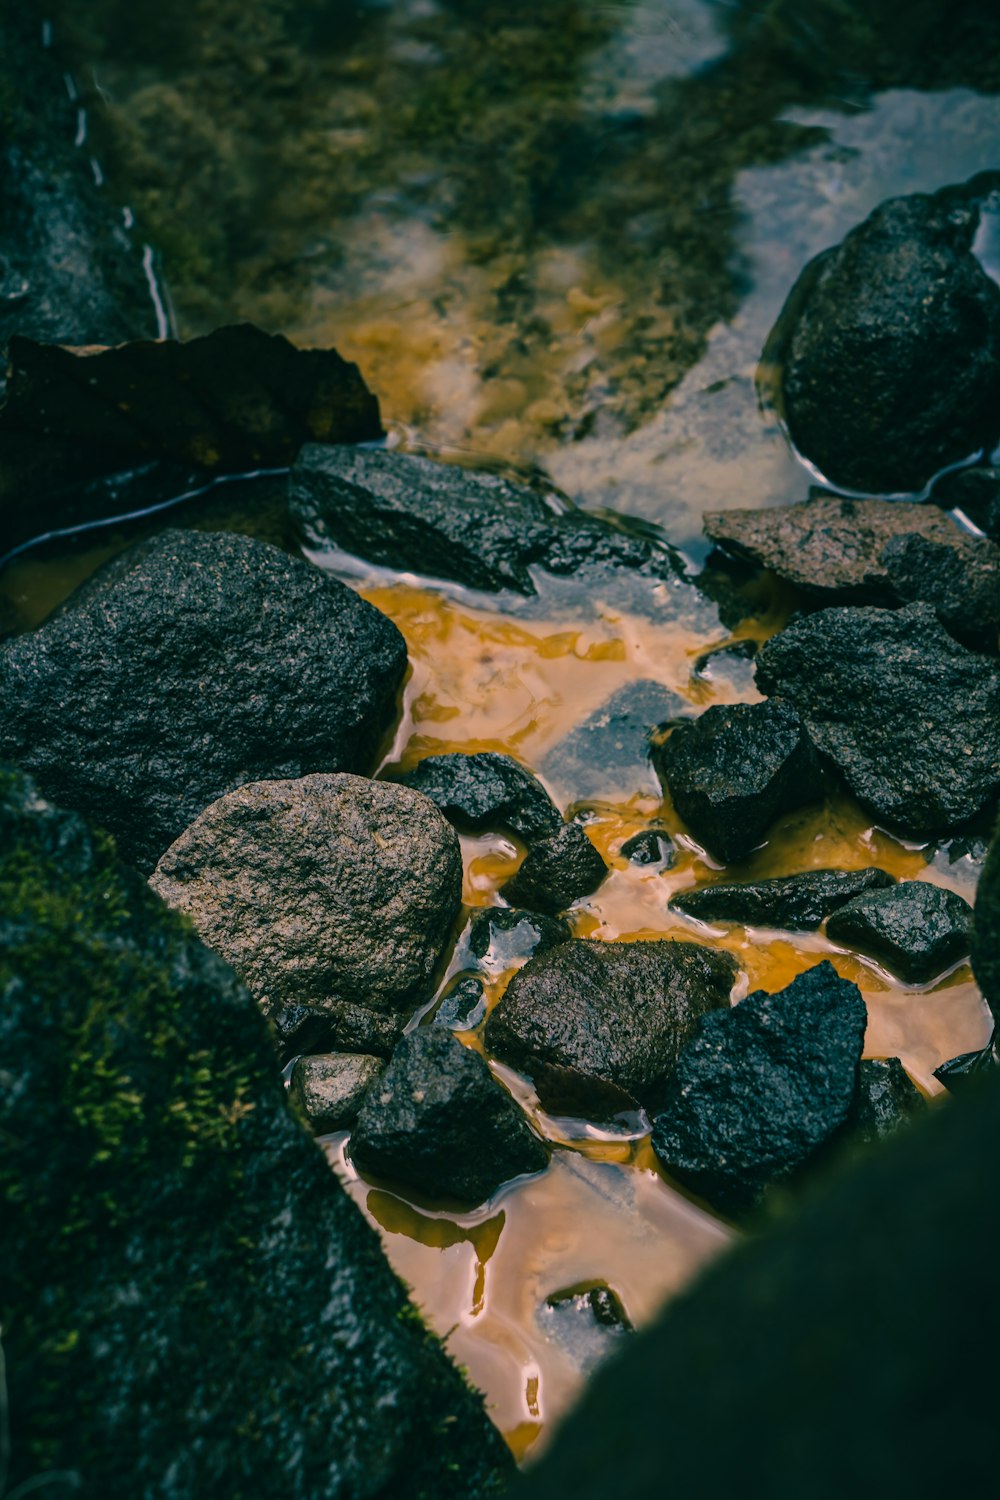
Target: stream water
{"type": "Point", "coordinates": [554, 235]}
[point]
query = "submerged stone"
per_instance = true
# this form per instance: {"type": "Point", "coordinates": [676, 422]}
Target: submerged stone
{"type": "Point", "coordinates": [598, 1027]}
{"type": "Point", "coordinates": [556, 871]}
{"type": "Point", "coordinates": [607, 755]}
{"type": "Point", "coordinates": [732, 771]}
{"type": "Point", "coordinates": [439, 1122]}
{"type": "Point", "coordinates": [190, 665]}
{"type": "Point", "coordinates": [463, 1008]}
{"type": "Point", "coordinates": [330, 1089]}
{"type": "Point", "coordinates": [761, 1088]}
{"type": "Point", "coordinates": [797, 903]}
{"type": "Point", "coordinates": [653, 846]}
{"type": "Point", "coordinates": [333, 893]}
{"type": "Point", "coordinates": [486, 791]}
{"type": "Point", "coordinates": [985, 938]}
{"type": "Point", "coordinates": [500, 936]}
{"type": "Point", "coordinates": [910, 717]}
{"type": "Point", "coordinates": [915, 929]}
{"type": "Point", "coordinates": [886, 1099]}
{"type": "Point", "coordinates": [586, 1322]}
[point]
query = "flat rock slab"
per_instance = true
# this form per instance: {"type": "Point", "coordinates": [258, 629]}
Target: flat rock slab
{"type": "Point", "coordinates": [607, 755]}
{"type": "Point", "coordinates": [190, 665]}
{"type": "Point", "coordinates": [734, 769]}
{"type": "Point", "coordinates": [484, 792]}
{"type": "Point", "coordinates": [795, 903]}
{"type": "Point", "coordinates": [761, 1088]}
{"type": "Point", "coordinates": [886, 1099]}
{"type": "Point", "coordinates": [598, 1027]}
{"type": "Point", "coordinates": [916, 930]}
{"type": "Point", "coordinates": [439, 1122]}
{"type": "Point", "coordinates": [193, 1306]}
{"type": "Point", "coordinates": [910, 717]}
{"type": "Point", "coordinates": [331, 894]}
{"type": "Point", "coordinates": [330, 1089]}
{"type": "Point", "coordinates": [556, 871]}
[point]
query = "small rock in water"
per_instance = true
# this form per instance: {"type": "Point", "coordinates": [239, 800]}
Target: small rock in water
{"type": "Point", "coordinates": [733, 770]}
{"type": "Point", "coordinates": [598, 1027]}
{"type": "Point", "coordinates": [607, 755]}
{"type": "Point", "coordinates": [886, 1099]}
{"type": "Point", "coordinates": [501, 936]}
{"type": "Point", "coordinates": [761, 1088]}
{"type": "Point", "coordinates": [915, 929]}
{"type": "Point", "coordinates": [653, 846]}
{"type": "Point", "coordinates": [439, 1122]}
{"type": "Point", "coordinates": [796, 903]}
{"type": "Point", "coordinates": [486, 791]}
{"type": "Point", "coordinates": [464, 1007]}
{"type": "Point", "coordinates": [586, 1322]}
{"type": "Point", "coordinates": [910, 717]}
{"type": "Point", "coordinates": [961, 580]}
{"type": "Point", "coordinates": [556, 871]}
{"type": "Point", "coordinates": [330, 1089]}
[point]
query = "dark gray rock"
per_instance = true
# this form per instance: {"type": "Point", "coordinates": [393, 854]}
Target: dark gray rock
{"type": "Point", "coordinates": [796, 903]}
{"type": "Point", "coordinates": [598, 1027]}
{"type": "Point", "coordinates": [976, 492]}
{"type": "Point", "coordinates": [486, 791]}
{"type": "Point", "coordinates": [188, 666]}
{"type": "Point", "coordinates": [333, 894]}
{"type": "Point", "coordinates": [891, 346]}
{"type": "Point", "coordinates": [985, 940]}
{"type": "Point", "coordinates": [886, 1099]}
{"type": "Point", "coordinates": [463, 1008]}
{"type": "Point", "coordinates": [607, 755]}
{"type": "Point", "coordinates": [191, 1304]}
{"type": "Point", "coordinates": [959, 1072]}
{"type": "Point", "coordinates": [439, 1122]}
{"type": "Point", "coordinates": [500, 936]}
{"type": "Point", "coordinates": [586, 1322]}
{"type": "Point", "coordinates": [305, 1028]}
{"type": "Point", "coordinates": [555, 872]}
{"type": "Point", "coordinates": [330, 1089]}
{"type": "Point", "coordinates": [761, 1088]}
{"type": "Point", "coordinates": [910, 717]}
{"type": "Point", "coordinates": [830, 546]}
{"type": "Point", "coordinates": [915, 929]}
{"type": "Point", "coordinates": [961, 579]}
{"type": "Point", "coordinates": [735, 769]}
{"type": "Point", "coordinates": [653, 846]}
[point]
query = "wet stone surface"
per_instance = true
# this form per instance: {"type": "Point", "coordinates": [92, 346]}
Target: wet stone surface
{"type": "Point", "coordinates": [586, 1322]}
{"type": "Point", "coordinates": [556, 871]}
{"type": "Point", "coordinates": [330, 1089]}
{"type": "Point", "coordinates": [607, 755]}
{"type": "Point", "coordinates": [486, 791]}
{"type": "Point", "coordinates": [886, 1099]}
{"type": "Point", "coordinates": [915, 929]}
{"type": "Point", "coordinates": [975, 492]}
{"type": "Point", "coordinates": [651, 847]}
{"type": "Point", "coordinates": [463, 1008]}
{"type": "Point", "coordinates": [961, 581]}
{"type": "Point", "coordinates": [500, 936]}
{"type": "Point", "coordinates": [797, 903]}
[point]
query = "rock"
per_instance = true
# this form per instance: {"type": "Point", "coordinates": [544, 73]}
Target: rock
{"type": "Point", "coordinates": [975, 492]}
{"type": "Point", "coordinates": [485, 792]}
{"type": "Point", "coordinates": [653, 846]}
{"type": "Point", "coordinates": [188, 666]}
{"type": "Point", "coordinates": [191, 1303]}
{"type": "Point", "coordinates": [830, 546]}
{"type": "Point", "coordinates": [440, 1123]}
{"type": "Point", "coordinates": [761, 1088]}
{"type": "Point", "coordinates": [464, 1007]}
{"type": "Point", "coordinates": [959, 1072]}
{"type": "Point", "coordinates": [985, 938]}
{"type": "Point", "coordinates": [501, 936]}
{"type": "Point", "coordinates": [910, 717]}
{"type": "Point", "coordinates": [915, 929]}
{"type": "Point", "coordinates": [556, 871]}
{"type": "Point", "coordinates": [886, 1099]}
{"type": "Point", "coordinates": [961, 580]}
{"type": "Point", "coordinates": [734, 769]}
{"type": "Point", "coordinates": [333, 894]}
{"type": "Point", "coordinates": [891, 365]}
{"type": "Point", "coordinates": [300, 1029]}
{"type": "Point", "coordinates": [598, 1027]}
{"type": "Point", "coordinates": [796, 903]}
{"type": "Point", "coordinates": [607, 755]}
{"type": "Point", "coordinates": [329, 1090]}
{"type": "Point", "coordinates": [586, 1322]}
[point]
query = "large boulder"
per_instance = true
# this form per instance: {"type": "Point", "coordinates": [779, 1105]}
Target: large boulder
{"type": "Point", "coordinates": [598, 1027]}
{"type": "Point", "coordinates": [191, 1305]}
{"type": "Point", "coordinates": [891, 345]}
{"type": "Point", "coordinates": [797, 903]}
{"type": "Point", "coordinates": [910, 717]}
{"type": "Point", "coordinates": [332, 897]}
{"type": "Point", "coordinates": [188, 666]}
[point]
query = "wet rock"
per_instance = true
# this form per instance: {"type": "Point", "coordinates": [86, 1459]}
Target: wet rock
{"type": "Point", "coordinates": [733, 770]}
{"type": "Point", "coordinates": [301, 1028]}
{"type": "Point", "coordinates": [500, 936]}
{"type": "Point", "coordinates": [486, 791]}
{"type": "Point", "coordinates": [891, 366]}
{"type": "Point", "coordinates": [886, 1099]}
{"type": "Point", "coordinates": [910, 717]}
{"type": "Point", "coordinates": [464, 1007]}
{"type": "Point", "coordinates": [959, 1072]}
{"type": "Point", "coordinates": [985, 939]}
{"type": "Point", "coordinates": [188, 666]}
{"type": "Point", "coordinates": [976, 492]}
{"type": "Point", "coordinates": [830, 546]}
{"type": "Point", "coordinates": [330, 1089]}
{"type": "Point", "coordinates": [796, 903]}
{"type": "Point", "coordinates": [185, 1235]}
{"type": "Point", "coordinates": [961, 580]}
{"type": "Point", "coordinates": [653, 846]}
{"type": "Point", "coordinates": [607, 755]}
{"type": "Point", "coordinates": [916, 930]}
{"type": "Point", "coordinates": [331, 893]}
{"type": "Point", "coordinates": [440, 1123]}
{"type": "Point", "coordinates": [598, 1027]}
{"type": "Point", "coordinates": [586, 1322]}
{"type": "Point", "coordinates": [556, 871]}
{"type": "Point", "coordinates": [761, 1088]}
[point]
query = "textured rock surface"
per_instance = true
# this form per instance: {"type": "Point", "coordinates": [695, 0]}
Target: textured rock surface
{"type": "Point", "coordinates": [598, 1027]}
{"type": "Point", "coordinates": [733, 770]}
{"type": "Point", "coordinates": [891, 369]}
{"type": "Point", "coordinates": [886, 1099]}
{"type": "Point", "coordinates": [653, 846]}
{"type": "Point", "coordinates": [915, 929]}
{"type": "Point", "coordinates": [797, 903]}
{"type": "Point", "coordinates": [761, 1088]}
{"type": "Point", "coordinates": [556, 871]}
{"type": "Point", "coordinates": [440, 1123]}
{"type": "Point", "coordinates": [486, 791]}
{"type": "Point", "coordinates": [191, 1305]}
{"type": "Point", "coordinates": [910, 717]}
{"type": "Point", "coordinates": [331, 893]}
{"type": "Point", "coordinates": [607, 755]}
{"type": "Point", "coordinates": [329, 1090]}
{"type": "Point", "coordinates": [190, 665]}
{"type": "Point", "coordinates": [985, 941]}
{"type": "Point", "coordinates": [961, 580]}
{"type": "Point", "coordinates": [500, 936]}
